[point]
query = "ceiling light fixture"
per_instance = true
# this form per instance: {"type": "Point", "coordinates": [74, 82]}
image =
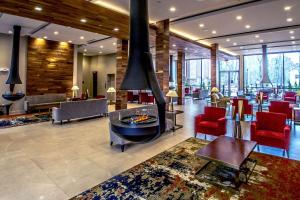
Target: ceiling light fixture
{"type": "Point", "coordinates": [56, 32]}
{"type": "Point", "coordinates": [293, 42]}
{"type": "Point", "coordinates": [45, 37]}
{"type": "Point", "coordinates": [186, 48]}
{"type": "Point", "coordinates": [234, 43]}
{"type": "Point", "coordinates": [256, 36]}
{"type": "Point", "coordinates": [83, 20]}
{"type": "Point", "coordinates": [201, 25]}
{"type": "Point", "coordinates": [70, 41]}
{"type": "Point", "coordinates": [101, 46]}
{"type": "Point", "coordinates": [116, 29]}
{"type": "Point", "coordinates": [227, 40]}
{"type": "Point", "coordinates": [239, 17]}
{"type": "Point", "coordinates": [289, 19]}
{"type": "Point", "coordinates": [114, 44]}
{"type": "Point", "coordinates": [261, 41]}
{"type": "Point", "coordinates": [292, 37]}
{"type": "Point", "coordinates": [247, 26]}
{"type": "Point", "coordinates": [38, 8]}
{"type": "Point", "coordinates": [10, 32]}
{"type": "Point", "coordinates": [100, 52]}
{"type": "Point", "coordinates": [81, 37]}
{"type": "Point", "coordinates": [214, 32]}
{"type": "Point", "coordinates": [174, 45]}
{"type": "Point", "coordinates": [85, 50]}
{"type": "Point", "coordinates": [172, 9]}
{"type": "Point", "coordinates": [292, 32]}
{"type": "Point", "coordinates": [287, 8]}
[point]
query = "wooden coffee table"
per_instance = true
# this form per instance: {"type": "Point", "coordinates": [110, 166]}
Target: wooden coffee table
{"type": "Point", "coordinates": [229, 152]}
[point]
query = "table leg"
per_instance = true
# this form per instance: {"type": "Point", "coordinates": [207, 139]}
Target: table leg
{"type": "Point", "coordinates": [7, 109]}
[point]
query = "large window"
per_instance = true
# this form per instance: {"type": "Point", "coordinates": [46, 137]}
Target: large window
{"type": "Point", "coordinates": [229, 76]}
{"type": "Point", "coordinates": [198, 73]}
{"type": "Point", "coordinates": [252, 70]}
{"type": "Point", "coordinates": [283, 70]}
{"type": "Point", "coordinates": [291, 70]}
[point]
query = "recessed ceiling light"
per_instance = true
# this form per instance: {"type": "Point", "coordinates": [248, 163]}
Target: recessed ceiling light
{"type": "Point", "coordinates": [227, 40]}
{"type": "Point", "coordinates": [38, 8]}
{"type": "Point", "coordinates": [45, 37]}
{"type": "Point", "coordinates": [261, 41]}
{"type": "Point", "coordinates": [114, 44]}
{"type": "Point", "coordinates": [256, 36]}
{"type": "Point", "coordinates": [292, 32]}
{"type": "Point", "coordinates": [241, 47]}
{"type": "Point", "coordinates": [85, 50]}
{"type": "Point", "coordinates": [201, 25]}
{"type": "Point", "coordinates": [287, 8]}
{"type": "Point", "coordinates": [293, 42]}
{"type": "Point", "coordinates": [101, 46]}
{"type": "Point", "coordinates": [56, 32]}
{"type": "Point", "coordinates": [247, 26]}
{"type": "Point", "coordinates": [185, 48]}
{"type": "Point", "coordinates": [116, 29]}
{"type": "Point", "coordinates": [100, 52]}
{"type": "Point", "coordinates": [83, 20]}
{"type": "Point", "coordinates": [289, 19]}
{"type": "Point", "coordinates": [214, 32]}
{"type": "Point", "coordinates": [292, 37]}
{"type": "Point", "coordinates": [174, 45]}
{"type": "Point", "coordinates": [172, 9]}
{"type": "Point", "coordinates": [70, 41]}
{"type": "Point", "coordinates": [84, 54]}
{"type": "Point", "coordinates": [10, 32]}
{"type": "Point", "coordinates": [81, 37]}
{"type": "Point", "coordinates": [239, 17]}
{"type": "Point", "coordinates": [234, 43]}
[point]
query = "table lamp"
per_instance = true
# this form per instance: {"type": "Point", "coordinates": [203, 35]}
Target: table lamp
{"type": "Point", "coordinates": [215, 90]}
{"type": "Point", "coordinates": [172, 94]}
{"type": "Point", "coordinates": [75, 88]}
{"type": "Point", "coordinates": [109, 92]}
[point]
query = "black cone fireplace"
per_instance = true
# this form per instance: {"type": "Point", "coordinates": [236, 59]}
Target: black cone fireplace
{"type": "Point", "coordinates": [140, 74]}
{"type": "Point", "coordinates": [14, 77]}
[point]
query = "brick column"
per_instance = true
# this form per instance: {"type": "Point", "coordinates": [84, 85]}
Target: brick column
{"type": "Point", "coordinates": [214, 64]}
{"type": "Point", "coordinates": [122, 61]}
{"type": "Point", "coordinates": [180, 76]}
{"type": "Point", "coordinates": [162, 54]}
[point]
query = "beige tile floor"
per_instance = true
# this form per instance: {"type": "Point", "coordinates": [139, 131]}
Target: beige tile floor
{"type": "Point", "coordinates": [45, 161]}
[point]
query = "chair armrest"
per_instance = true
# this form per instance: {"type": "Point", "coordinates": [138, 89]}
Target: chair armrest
{"type": "Point", "coordinates": [56, 113]}
{"type": "Point", "coordinates": [222, 122]}
{"type": "Point", "coordinates": [287, 135]}
{"type": "Point", "coordinates": [253, 130]}
{"type": "Point", "coordinates": [199, 118]}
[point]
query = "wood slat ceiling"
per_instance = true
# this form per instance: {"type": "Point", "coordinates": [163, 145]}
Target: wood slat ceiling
{"type": "Point", "coordinates": [69, 13]}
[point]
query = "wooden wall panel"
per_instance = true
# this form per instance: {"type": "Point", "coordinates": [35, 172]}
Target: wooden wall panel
{"type": "Point", "coordinates": [49, 67]}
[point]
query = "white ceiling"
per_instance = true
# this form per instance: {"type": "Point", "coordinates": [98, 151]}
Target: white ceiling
{"type": "Point", "coordinates": [269, 14]}
{"type": "Point", "coordinates": [65, 34]}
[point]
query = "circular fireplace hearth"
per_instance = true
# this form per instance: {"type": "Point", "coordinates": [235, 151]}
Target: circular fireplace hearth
{"type": "Point", "coordinates": [139, 119]}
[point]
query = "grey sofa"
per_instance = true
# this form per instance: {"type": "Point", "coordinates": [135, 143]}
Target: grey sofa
{"type": "Point", "coordinates": [79, 109]}
{"type": "Point", "coordinates": [152, 110]}
{"type": "Point", "coordinates": [46, 101]}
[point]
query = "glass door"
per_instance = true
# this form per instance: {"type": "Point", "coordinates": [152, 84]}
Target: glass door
{"type": "Point", "coordinates": [229, 82]}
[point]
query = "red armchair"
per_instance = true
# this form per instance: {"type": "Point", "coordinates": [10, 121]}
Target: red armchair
{"type": "Point", "coordinates": [130, 96]}
{"type": "Point", "coordinates": [290, 96]}
{"type": "Point", "coordinates": [248, 108]}
{"type": "Point", "coordinates": [270, 129]}
{"type": "Point", "coordinates": [282, 107]}
{"type": "Point", "coordinates": [212, 122]}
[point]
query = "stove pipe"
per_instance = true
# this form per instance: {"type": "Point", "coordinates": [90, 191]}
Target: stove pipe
{"type": "Point", "coordinates": [14, 77]}
{"type": "Point", "coordinates": [265, 76]}
{"type": "Point", "coordinates": [140, 74]}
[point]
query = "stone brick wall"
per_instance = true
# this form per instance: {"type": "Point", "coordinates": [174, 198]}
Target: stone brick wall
{"type": "Point", "coordinates": [122, 61]}
{"type": "Point", "coordinates": [180, 78]}
{"type": "Point", "coordinates": [214, 64]}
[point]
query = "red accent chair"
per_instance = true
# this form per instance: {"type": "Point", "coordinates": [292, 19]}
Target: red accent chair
{"type": "Point", "coordinates": [270, 129]}
{"type": "Point", "coordinates": [187, 91]}
{"type": "Point", "coordinates": [248, 108]}
{"type": "Point", "coordinates": [282, 107]}
{"type": "Point", "coordinates": [145, 98]}
{"type": "Point", "coordinates": [212, 122]}
{"type": "Point", "coordinates": [130, 96]}
{"type": "Point", "coordinates": [290, 96]}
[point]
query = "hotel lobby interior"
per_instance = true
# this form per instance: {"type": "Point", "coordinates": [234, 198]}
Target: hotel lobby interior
{"type": "Point", "coordinates": [149, 99]}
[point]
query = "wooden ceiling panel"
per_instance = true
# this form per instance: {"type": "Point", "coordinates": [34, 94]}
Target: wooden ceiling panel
{"type": "Point", "coordinates": [69, 13]}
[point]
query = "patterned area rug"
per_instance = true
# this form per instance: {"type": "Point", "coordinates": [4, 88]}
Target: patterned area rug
{"type": "Point", "coordinates": [24, 120]}
{"type": "Point", "coordinates": [172, 175]}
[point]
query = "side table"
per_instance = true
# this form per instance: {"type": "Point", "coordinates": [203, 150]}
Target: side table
{"type": "Point", "coordinates": [6, 106]}
{"type": "Point", "coordinates": [174, 116]}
